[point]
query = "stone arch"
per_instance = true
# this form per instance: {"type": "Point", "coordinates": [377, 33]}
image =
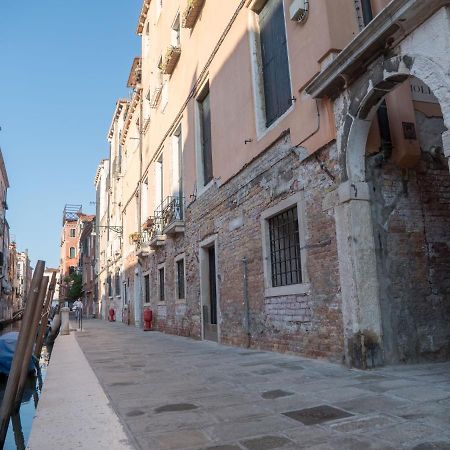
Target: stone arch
{"type": "Point", "coordinates": [369, 92]}
{"type": "Point", "coordinates": [356, 245]}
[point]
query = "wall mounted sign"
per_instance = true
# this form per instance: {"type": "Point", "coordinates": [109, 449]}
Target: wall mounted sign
{"type": "Point", "coordinates": [421, 92]}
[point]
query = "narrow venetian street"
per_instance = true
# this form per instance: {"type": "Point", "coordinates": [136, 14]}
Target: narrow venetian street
{"type": "Point", "coordinates": [174, 393]}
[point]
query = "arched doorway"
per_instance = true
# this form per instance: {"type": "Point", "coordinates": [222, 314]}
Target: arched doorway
{"type": "Point", "coordinates": [392, 220]}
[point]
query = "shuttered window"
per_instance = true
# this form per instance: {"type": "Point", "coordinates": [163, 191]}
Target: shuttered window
{"type": "Point", "coordinates": [275, 66]}
{"type": "Point", "coordinates": [205, 121]}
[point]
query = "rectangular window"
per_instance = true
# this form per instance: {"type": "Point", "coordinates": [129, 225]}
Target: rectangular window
{"type": "Point", "coordinates": [285, 257]}
{"type": "Point", "coordinates": [177, 164]}
{"type": "Point", "coordinates": [72, 232]}
{"type": "Point", "coordinates": [176, 31]}
{"type": "Point", "coordinates": [109, 285]}
{"type": "Point", "coordinates": [117, 284]}
{"type": "Point", "coordinates": [147, 288]}
{"type": "Point", "coordinates": [205, 126]}
{"type": "Point", "coordinates": [180, 280]}
{"type": "Point", "coordinates": [274, 58]}
{"type": "Point", "coordinates": [161, 284]}
{"type": "Point", "coordinates": [160, 180]}
{"type": "Point", "coordinates": [72, 252]}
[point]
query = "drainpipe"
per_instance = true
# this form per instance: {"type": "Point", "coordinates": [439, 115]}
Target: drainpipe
{"type": "Point", "coordinates": [246, 302]}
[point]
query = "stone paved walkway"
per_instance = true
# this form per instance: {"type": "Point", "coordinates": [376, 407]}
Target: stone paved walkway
{"type": "Point", "coordinates": [175, 393]}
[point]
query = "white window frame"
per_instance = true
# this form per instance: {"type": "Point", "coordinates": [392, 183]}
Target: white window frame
{"type": "Point", "coordinates": [175, 37]}
{"type": "Point", "coordinates": [176, 169]}
{"type": "Point", "coordinates": [178, 258]}
{"type": "Point", "coordinates": [159, 6]}
{"type": "Point", "coordinates": [255, 7]}
{"type": "Point", "coordinates": [293, 289]}
{"type": "Point", "coordinates": [201, 187]}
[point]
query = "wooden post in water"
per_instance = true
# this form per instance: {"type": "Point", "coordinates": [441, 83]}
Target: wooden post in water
{"type": "Point", "coordinates": [16, 366]}
{"type": "Point", "coordinates": [30, 343]}
{"type": "Point", "coordinates": [44, 318]}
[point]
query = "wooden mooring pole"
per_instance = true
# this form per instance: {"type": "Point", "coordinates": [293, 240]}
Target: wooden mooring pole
{"type": "Point", "coordinates": [44, 318]}
{"type": "Point", "coordinates": [9, 397]}
{"type": "Point", "coordinates": [30, 344]}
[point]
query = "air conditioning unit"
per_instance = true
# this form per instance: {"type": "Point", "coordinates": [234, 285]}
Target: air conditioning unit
{"type": "Point", "coordinates": [298, 11]}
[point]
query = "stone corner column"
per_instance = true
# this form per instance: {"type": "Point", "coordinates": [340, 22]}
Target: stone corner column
{"type": "Point", "coordinates": [65, 323]}
{"type": "Point", "coordinates": [358, 276]}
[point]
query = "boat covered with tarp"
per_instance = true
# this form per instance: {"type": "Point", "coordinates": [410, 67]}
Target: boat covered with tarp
{"type": "Point", "coordinates": [8, 343]}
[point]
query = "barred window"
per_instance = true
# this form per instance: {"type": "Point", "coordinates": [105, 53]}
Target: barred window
{"type": "Point", "coordinates": [180, 279]}
{"type": "Point", "coordinates": [285, 248]}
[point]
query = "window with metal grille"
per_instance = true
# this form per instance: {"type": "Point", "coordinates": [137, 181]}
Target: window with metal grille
{"type": "Point", "coordinates": [180, 279]}
{"type": "Point", "coordinates": [275, 63]}
{"type": "Point", "coordinates": [285, 248]}
{"type": "Point", "coordinates": [161, 284]}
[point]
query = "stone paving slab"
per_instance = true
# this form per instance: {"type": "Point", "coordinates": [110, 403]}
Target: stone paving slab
{"type": "Point", "coordinates": [175, 393]}
{"type": "Point", "coordinates": [74, 412]}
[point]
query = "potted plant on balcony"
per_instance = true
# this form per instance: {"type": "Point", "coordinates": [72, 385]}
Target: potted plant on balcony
{"type": "Point", "coordinates": [191, 13]}
{"type": "Point", "coordinates": [170, 59]}
{"type": "Point", "coordinates": [135, 237]}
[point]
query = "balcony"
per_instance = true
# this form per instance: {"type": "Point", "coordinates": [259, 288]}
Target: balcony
{"type": "Point", "coordinates": [172, 215]}
{"type": "Point", "coordinates": [191, 13]}
{"type": "Point", "coordinates": [152, 235]}
{"type": "Point", "coordinates": [170, 59]}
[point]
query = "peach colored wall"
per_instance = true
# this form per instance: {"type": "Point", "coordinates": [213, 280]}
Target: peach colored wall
{"type": "Point", "coordinates": [330, 27]}
{"type": "Point", "coordinates": [67, 243]}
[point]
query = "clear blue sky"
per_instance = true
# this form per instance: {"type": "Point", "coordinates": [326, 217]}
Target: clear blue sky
{"type": "Point", "coordinates": [62, 67]}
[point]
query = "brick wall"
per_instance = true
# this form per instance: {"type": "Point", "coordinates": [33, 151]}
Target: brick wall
{"type": "Point", "coordinates": [309, 324]}
{"type": "Point", "coordinates": [411, 211]}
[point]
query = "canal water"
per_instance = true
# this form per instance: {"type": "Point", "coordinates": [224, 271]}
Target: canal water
{"type": "Point", "coordinates": [20, 425]}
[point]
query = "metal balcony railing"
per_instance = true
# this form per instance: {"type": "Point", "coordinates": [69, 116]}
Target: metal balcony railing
{"type": "Point", "coordinates": [171, 210]}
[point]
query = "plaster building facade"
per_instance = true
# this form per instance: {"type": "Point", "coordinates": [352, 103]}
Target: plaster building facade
{"type": "Point", "coordinates": [24, 275]}
{"type": "Point", "coordinates": [5, 281]}
{"type": "Point", "coordinates": [70, 237]}
{"type": "Point", "coordinates": [284, 178]}
{"type": "Point", "coordinates": [101, 273]}
{"type": "Point", "coordinates": [87, 248]}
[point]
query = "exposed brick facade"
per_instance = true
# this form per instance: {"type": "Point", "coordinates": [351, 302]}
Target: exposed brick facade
{"type": "Point", "coordinates": [310, 324]}
{"type": "Point", "coordinates": [411, 210]}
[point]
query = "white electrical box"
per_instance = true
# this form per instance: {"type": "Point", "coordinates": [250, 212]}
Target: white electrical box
{"type": "Point", "coordinates": [298, 10]}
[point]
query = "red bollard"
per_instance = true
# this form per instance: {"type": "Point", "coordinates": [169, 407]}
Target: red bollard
{"type": "Point", "coordinates": [111, 315]}
{"type": "Point", "coordinates": [148, 317]}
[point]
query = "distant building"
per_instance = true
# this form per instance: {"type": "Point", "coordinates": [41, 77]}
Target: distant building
{"type": "Point", "coordinates": [24, 275]}
{"type": "Point", "coordinates": [69, 244]}
{"type": "Point", "coordinates": [86, 264]}
{"type": "Point", "coordinates": [5, 283]}
{"type": "Point", "coordinates": [101, 265]}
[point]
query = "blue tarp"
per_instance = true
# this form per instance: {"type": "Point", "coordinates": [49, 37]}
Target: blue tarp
{"type": "Point", "coordinates": [8, 344]}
